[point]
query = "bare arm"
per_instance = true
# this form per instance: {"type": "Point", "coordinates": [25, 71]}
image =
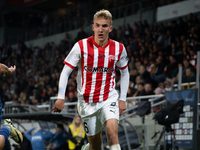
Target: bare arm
{"type": "Point", "coordinates": [5, 71]}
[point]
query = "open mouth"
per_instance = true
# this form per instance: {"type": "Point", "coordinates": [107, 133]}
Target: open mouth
{"type": "Point", "coordinates": [100, 35]}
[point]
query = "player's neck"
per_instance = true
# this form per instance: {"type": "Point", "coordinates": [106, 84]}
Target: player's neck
{"type": "Point", "coordinates": [101, 43]}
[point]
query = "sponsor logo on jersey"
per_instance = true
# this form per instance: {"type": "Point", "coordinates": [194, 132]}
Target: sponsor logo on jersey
{"type": "Point", "coordinates": [111, 57]}
{"type": "Point", "coordinates": [98, 69]}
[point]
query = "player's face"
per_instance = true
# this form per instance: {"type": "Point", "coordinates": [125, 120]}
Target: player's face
{"type": "Point", "coordinates": [101, 27]}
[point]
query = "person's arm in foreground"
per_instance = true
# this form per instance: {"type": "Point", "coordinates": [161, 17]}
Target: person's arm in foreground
{"type": "Point", "coordinates": [5, 71]}
{"type": "Point", "coordinates": [123, 89]}
{"type": "Point", "coordinates": [59, 104]}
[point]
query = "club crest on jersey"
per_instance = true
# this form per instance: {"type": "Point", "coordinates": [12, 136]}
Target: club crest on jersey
{"type": "Point", "coordinates": [98, 69]}
{"type": "Point", "coordinates": [111, 57]}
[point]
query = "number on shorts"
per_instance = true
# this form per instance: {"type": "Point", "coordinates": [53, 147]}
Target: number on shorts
{"type": "Point", "coordinates": [86, 127]}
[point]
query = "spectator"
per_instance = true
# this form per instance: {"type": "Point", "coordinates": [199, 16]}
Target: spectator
{"type": "Point", "coordinates": [148, 90]}
{"type": "Point", "coordinates": [139, 79]}
{"type": "Point", "coordinates": [76, 134]}
{"type": "Point", "coordinates": [170, 70]}
{"type": "Point", "coordinates": [138, 63]}
{"type": "Point", "coordinates": [37, 139]}
{"type": "Point", "coordinates": [133, 76]}
{"type": "Point", "coordinates": [145, 74]}
{"type": "Point", "coordinates": [160, 65]}
{"type": "Point", "coordinates": [44, 96]}
{"type": "Point", "coordinates": [60, 137]}
{"type": "Point", "coordinates": [158, 91]}
{"type": "Point", "coordinates": [23, 98]}
{"type": "Point", "coordinates": [186, 64]}
{"type": "Point", "coordinates": [140, 88]}
{"type": "Point", "coordinates": [35, 98]}
{"type": "Point", "coordinates": [50, 92]}
{"type": "Point", "coordinates": [193, 55]}
{"type": "Point", "coordinates": [189, 76]}
{"type": "Point", "coordinates": [151, 67]}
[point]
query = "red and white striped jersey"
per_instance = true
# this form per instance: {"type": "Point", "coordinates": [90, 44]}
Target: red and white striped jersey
{"type": "Point", "coordinates": [96, 67]}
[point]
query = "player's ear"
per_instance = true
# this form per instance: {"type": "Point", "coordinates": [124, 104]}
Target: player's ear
{"type": "Point", "coordinates": [111, 28]}
{"type": "Point", "coordinates": [93, 27]}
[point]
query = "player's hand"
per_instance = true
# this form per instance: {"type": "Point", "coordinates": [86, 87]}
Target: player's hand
{"type": "Point", "coordinates": [122, 107]}
{"type": "Point", "coordinates": [58, 106]}
{"type": "Point", "coordinates": [12, 69]}
{"type": "Point", "coordinates": [8, 71]}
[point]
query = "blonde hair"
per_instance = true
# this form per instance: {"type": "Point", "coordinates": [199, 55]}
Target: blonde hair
{"type": "Point", "coordinates": [81, 128]}
{"type": "Point", "coordinates": [103, 14]}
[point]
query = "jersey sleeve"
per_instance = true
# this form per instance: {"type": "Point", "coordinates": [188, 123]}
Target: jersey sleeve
{"type": "Point", "coordinates": [123, 61]}
{"type": "Point", "coordinates": [73, 57]}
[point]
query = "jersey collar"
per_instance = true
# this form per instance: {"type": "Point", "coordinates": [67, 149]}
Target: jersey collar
{"type": "Point", "coordinates": [92, 37]}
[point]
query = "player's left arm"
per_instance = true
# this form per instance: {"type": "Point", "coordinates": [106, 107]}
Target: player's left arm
{"type": "Point", "coordinates": [124, 81]}
{"type": "Point", "coordinates": [5, 71]}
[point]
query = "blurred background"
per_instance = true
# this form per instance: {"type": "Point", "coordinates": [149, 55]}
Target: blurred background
{"type": "Point", "coordinates": [162, 42]}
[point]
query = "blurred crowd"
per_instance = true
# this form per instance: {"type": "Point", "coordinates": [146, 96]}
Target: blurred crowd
{"type": "Point", "coordinates": [71, 15]}
{"type": "Point", "coordinates": [155, 52]}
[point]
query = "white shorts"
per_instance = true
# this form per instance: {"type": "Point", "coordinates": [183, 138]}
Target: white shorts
{"type": "Point", "coordinates": [94, 115]}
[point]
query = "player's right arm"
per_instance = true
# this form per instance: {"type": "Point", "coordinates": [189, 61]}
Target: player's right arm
{"type": "Point", "coordinates": [5, 71]}
{"type": "Point", "coordinates": [70, 62]}
{"type": "Point", "coordinates": [59, 104]}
